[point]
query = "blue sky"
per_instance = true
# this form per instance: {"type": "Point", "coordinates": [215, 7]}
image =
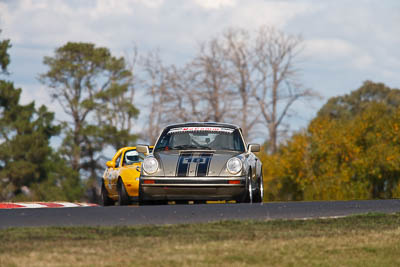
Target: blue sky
{"type": "Point", "coordinates": [346, 42]}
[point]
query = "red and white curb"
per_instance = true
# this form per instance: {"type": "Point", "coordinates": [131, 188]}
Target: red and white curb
{"type": "Point", "coordinates": [10, 205]}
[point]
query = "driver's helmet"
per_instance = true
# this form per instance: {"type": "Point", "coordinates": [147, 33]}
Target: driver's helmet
{"type": "Point", "coordinates": [131, 157]}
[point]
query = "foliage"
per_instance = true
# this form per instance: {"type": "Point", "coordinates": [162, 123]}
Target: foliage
{"type": "Point", "coordinates": [29, 168]}
{"type": "Point", "coordinates": [27, 162]}
{"type": "Point", "coordinates": [349, 151]}
{"type": "Point", "coordinates": [4, 56]}
{"type": "Point", "coordinates": [95, 90]}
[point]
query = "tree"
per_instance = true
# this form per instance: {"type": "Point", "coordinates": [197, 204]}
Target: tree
{"type": "Point", "coordinates": [211, 83]}
{"type": "Point", "coordinates": [351, 150]}
{"type": "Point", "coordinates": [240, 77]}
{"type": "Point", "coordinates": [277, 81]}
{"type": "Point", "coordinates": [94, 89]}
{"type": "Point", "coordinates": [353, 104]}
{"type": "Point", "coordinates": [4, 56]}
{"type": "Point", "coordinates": [27, 162]}
{"type": "Point", "coordinates": [241, 59]}
{"type": "Point", "coordinates": [368, 121]}
{"type": "Point", "coordinates": [155, 84]}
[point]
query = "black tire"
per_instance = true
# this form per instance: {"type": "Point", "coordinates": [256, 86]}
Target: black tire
{"type": "Point", "coordinates": [123, 197]}
{"type": "Point", "coordinates": [142, 202]}
{"type": "Point", "coordinates": [105, 200]}
{"type": "Point", "coordinates": [259, 192]}
{"type": "Point", "coordinates": [249, 194]}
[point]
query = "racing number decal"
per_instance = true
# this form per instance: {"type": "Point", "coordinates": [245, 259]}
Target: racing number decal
{"type": "Point", "coordinates": [202, 162]}
{"type": "Point", "coordinates": [184, 160]}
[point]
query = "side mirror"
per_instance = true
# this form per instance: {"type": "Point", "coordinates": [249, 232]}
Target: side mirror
{"type": "Point", "coordinates": [254, 148]}
{"type": "Point", "coordinates": [110, 164]}
{"type": "Point", "coordinates": [143, 149]}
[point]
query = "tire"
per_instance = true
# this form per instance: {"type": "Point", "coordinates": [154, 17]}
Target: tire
{"type": "Point", "coordinates": [248, 196]}
{"type": "Point", "coordinates": [259, 194]}
{"type": "Point", "coordinates": [105, 200]}
{"type": "Point", "coordinates": [142, 202]}
{"type": "Point", "coordinates": [123, 197]}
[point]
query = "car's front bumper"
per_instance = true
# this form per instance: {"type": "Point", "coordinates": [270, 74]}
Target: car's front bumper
{"type": "Point", "coordinates": [192, 188]}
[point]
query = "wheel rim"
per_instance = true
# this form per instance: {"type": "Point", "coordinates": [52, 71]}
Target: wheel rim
{"type": "Point", "coordinates": [262, 189]}
{"type": "Point", "coordinates": [250, 190]}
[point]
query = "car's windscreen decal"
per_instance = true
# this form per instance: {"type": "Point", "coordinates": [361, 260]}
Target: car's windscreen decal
{"type": "Point", "coordinates": [186, 160]}
{"type": "Point", "coordinates": [200, 129]}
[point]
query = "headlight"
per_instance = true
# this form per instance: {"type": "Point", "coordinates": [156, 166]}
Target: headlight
{"type": "Point", "coordinates": [234, 165]}
{"type": "Point", "coordinates": [150, 165]}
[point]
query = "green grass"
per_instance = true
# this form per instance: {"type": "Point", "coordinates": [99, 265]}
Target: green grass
{"type": "Point", "coordinates": [367, 240]}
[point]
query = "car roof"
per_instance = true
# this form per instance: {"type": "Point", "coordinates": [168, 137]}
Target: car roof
{"type": "Point", "coordinates": [130, 147]}
{"type": "Point", "coordinates": [200, 124]}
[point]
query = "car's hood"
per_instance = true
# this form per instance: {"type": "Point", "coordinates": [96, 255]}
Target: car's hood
{"type": "Point", "coordinates": [193, 163]}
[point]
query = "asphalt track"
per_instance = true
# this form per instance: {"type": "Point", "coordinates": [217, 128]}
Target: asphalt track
{"type": "Point", "coordinates": [173, 214]}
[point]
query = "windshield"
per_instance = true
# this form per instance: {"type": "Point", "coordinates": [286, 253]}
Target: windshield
{"type": "Point", "coordinates": [209, 138]}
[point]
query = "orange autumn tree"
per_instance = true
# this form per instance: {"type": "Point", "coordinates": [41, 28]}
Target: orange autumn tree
{"type": "Point", "coordinates": [351, 150]}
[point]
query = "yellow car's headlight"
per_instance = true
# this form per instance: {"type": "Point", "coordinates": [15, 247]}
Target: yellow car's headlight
{"type": "Point", "coordinates": [150, 165]}
{"type": "Point", "coordinates": [234, 165]}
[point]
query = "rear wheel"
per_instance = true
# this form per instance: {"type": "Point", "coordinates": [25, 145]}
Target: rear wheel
{"type": "Point", "coordinates": [123, 197]}
{"type": "Point", "coordinates": [105, 200]}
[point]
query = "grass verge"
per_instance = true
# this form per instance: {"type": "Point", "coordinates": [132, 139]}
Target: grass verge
{"type": "Point", "coordinates": [367, 240]}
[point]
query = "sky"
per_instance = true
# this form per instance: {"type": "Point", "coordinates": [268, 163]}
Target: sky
{"type": "Point", "coordinates": [345, 42]}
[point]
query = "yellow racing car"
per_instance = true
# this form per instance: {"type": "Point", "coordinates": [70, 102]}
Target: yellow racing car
{"type": "Point", "coordinates": [120, 181]}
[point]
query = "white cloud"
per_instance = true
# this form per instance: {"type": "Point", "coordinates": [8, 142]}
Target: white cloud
{"type": "Point", "coordinates": [345, 42]}
{"type": "Point", "coordinates": [215, 4]}
{"type": "Point", "coordinates": [334, 50]}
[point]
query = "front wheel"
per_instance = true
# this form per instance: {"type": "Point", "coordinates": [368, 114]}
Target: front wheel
{"type": "Point", "coordinates": [105, 200]}
{"type": "Point", "coordinates": [259, 194]}
{"type": "Point", "coordinates": [248, 194]}
{"type": "Point", "coordinates": [123, 198]}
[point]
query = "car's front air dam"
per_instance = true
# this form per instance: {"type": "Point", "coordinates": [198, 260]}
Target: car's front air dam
{"type": "Point", "coordinates": [193, 189]}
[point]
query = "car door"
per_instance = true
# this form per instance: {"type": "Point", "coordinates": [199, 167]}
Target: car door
{"type": "Point", "coordinates": [113, 175]}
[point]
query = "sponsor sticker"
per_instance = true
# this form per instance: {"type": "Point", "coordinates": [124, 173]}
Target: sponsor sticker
{"type": "Point", "coordinates": [200, 129]}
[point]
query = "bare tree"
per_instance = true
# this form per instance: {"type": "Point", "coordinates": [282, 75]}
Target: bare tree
{"type": "Point", "coordinates": [156, 88]}
{"type": "Point", "coordinates": [198, 91]}
{"type": "Point", "coordinates": [277, 84]}
{"type": "Point", "coordinates": [212, 82]}
{"type": "Point", "coordinates": [240, 58]}
{"type": "Point", "coordinates": [241, 77]}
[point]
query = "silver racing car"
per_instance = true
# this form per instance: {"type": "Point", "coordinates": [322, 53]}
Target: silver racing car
{"type": "Point", "coordinates": [199, 162]}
